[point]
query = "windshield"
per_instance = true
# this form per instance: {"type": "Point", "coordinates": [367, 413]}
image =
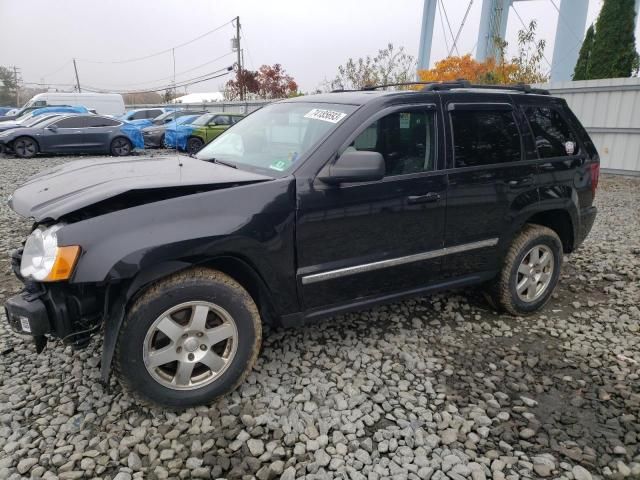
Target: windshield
{"type": "Point", "coordinates": [203, 119]}
{"type": "Point", "coordinates": [275, 137]}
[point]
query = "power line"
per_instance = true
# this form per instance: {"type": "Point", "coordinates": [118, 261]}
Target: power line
{"type": "Point", "coordinates": [247, 48]}
{"type": "Point", "coordinates": [162, 52]}
{"type": "Point", "coordinates": [57, 69]}
{"type": "Point", "coordinates": [185, 83]}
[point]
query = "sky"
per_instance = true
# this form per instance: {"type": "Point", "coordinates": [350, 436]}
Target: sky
{"type": "Point", "coordinates": [310, 39]}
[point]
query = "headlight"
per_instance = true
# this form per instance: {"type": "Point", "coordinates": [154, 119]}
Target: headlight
{"type": "Point", "coordinates": [44, 260]}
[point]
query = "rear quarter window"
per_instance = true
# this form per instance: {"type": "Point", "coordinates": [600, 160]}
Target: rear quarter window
{"type": "Point", "coordinates": [552, 134]}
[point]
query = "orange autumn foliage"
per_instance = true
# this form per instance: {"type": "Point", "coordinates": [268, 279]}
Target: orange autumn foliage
{"type": "Point", "coordinates": [454, 68]}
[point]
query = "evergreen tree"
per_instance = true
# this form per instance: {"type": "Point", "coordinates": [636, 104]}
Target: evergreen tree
{"type": "Point", "coordinates": [582, 70]}
{"type": "Point", "coordinates": [614, 52]}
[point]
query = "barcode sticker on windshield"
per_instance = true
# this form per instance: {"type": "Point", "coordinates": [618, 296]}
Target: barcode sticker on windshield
{"type": "Point", "coordinates": [325, 115]}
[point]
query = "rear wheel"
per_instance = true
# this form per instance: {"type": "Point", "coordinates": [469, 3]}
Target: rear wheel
{"type": "Point", "coordinates": [530, 271]}
{"type": "Point", "coordinates": [194, 145]}
{"type": "Point", "coordinates": [189, 339]}
{"type": "Point", "coordinates": [25, 147]}
{"type": "Point", "coordinates": [161, 141]}
{"type": "Point", "coordinates": [121, 147]}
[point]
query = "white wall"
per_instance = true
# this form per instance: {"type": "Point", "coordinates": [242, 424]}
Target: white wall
{"type": "Point", "coordinates": [610, 111]}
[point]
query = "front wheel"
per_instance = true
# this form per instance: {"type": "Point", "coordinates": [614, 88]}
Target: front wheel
{"type": "Point", "coordinates": [25, 147]}
{"type": "Point", "coordinates": [188, 339]}
{"type": "Point", "coordinates": [530, 271]}
{"type": "Point", "coordinates": [121, 147]}
{"type": "Point", "coordinates": [194, 145]}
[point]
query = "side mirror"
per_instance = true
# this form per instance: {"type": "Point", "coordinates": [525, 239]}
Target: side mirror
{"type": "Point", "coordinates": [354, 166]}
{"type": "Point", "coordinates": [52, 128]}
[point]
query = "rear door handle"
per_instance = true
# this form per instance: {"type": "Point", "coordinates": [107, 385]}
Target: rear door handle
{"type": "Point", "coordinates": [426, 198]}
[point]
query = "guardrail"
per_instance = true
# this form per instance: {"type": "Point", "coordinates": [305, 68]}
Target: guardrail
{"type": "Point", "coordinates": [229, 107]}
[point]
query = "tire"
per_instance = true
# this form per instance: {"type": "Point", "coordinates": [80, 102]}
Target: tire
{"type": "Point", "coordinates": [121, 147]}
{"type": "Point", "coordinates": [525, 285]}
{"type": "Point", "coordinates": [194, 145]}
{"type": "Point", "coordinates": [25, 147]}
{"type": "Point", "coordinates": [161, 142]}
{"type": "Point", "coordinates": [157, 378]}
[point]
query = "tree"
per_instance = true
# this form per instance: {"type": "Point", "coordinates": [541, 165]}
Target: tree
{"type": "Point", "coordinates": [529, 58]}
{"type": "Point", "coordinates": [270, 81]}
{"type": "Point", "coordinates": [274, 82]}
{"type": "Point", "coordinates": [246, 81]}
{"type": "Point", "coordinates": [613, 52]}
{"type": "Point", "coordinates": [390, 65]}
{"type": "Point", "coordinates": [523, 68]}
{"type": "Point", "coordinates": [453, 68]}
{"type": "Point", "coordinates": [8, 87]}
{"type": "Point", "coordinates": [169, 94]}
{"type": "Point", "coordinates": [582, 69]}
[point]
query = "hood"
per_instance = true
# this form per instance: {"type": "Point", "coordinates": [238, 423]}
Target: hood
{"type": "Point", "coordinates": [9, 125]}
{"type": "Point", "coordinates": [72, 186]}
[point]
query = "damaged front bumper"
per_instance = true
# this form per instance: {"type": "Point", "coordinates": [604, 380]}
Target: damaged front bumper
{"type": "Point", "coordinates": [60, 310]}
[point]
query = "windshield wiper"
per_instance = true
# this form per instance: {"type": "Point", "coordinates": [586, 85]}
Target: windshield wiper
{"type": "Point", "coordinates": [222, 162]}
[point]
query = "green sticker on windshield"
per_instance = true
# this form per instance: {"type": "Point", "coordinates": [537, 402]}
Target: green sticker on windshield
{"type": "Point", "coordinates": [280, 165]}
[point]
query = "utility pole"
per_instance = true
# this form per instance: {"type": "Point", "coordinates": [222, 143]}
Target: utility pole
{"type": "Point", "coordinates": [240, 77]}
{"type": "Point", "coordinates": [15, 79]}
{"type": "Point", "coordinates": [77, 78]}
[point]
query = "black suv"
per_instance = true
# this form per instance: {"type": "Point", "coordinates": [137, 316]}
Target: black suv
{"type": "Point", "coordinates": [307, 208]}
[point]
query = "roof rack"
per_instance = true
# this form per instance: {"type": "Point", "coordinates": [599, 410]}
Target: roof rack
{"type": "Point", "coordinates": [521, 87]}
{"type": "Point", "coordinates": [460, 83]}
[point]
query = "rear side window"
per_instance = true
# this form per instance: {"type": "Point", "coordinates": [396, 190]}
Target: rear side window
{"type": "Point", "coordinates": [552, 134]}
{"type": "Point", "coordinates": [221, 120]}
{"type": "Point", "coordinates": [484, 137]}
{"type": "Point", "coordinates": [406, 140]}
{"type": "Point", "coordinates": [152, 113]}
{"type": "Point", "coordinates": [71, 122]}
{"type": "Point", "coordinates": [138, 115]}
{"type": "Point", "coordinates": [101, 122]}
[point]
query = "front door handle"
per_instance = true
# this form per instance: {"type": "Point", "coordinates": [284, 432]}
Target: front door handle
{"type": "Point", "coordinates": [426, 198]}
{"type": "Point", "coordinates": [523, 182]}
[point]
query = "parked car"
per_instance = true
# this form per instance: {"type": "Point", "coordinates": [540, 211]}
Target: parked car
{"type": "Point", "coordinates": [192, 137]}
{"type": "Point", "coordinates": [27, 122]}
{"type": "Point", "coordinates": [42, 111]}
{"type": "Point", "coordinates": [84, 133]}
{"type": "Point", "coordinates": [309, 207]}
{"type": "Point", "coordinates": [101, 103]}
{"type": "Point", "coordinates": [5, 110]}
{"type": "Point", "coordinates": [165, 117]}
{"type": "Point", "coordinates": [144, 114]}
{"type": "Point", "coordinates": [154, 136]}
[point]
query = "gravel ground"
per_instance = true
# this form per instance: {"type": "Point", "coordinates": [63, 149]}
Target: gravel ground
{"type": "Point", "coordinates": [431, 388]}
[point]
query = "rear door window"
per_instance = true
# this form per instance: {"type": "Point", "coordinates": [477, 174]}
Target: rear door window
{"type": "Point", "coordinates": [551, 133]}
{"type": "Point", "coordinates": [484, 137]}
{"type": "Point", "coordinates": [71, 122]}
{"type": "Point", "coordinates": [152, 113]}
{"type": "Point", "coordinates": [138, 115]}
{"type": "Point", "coordinates": [101, 122]}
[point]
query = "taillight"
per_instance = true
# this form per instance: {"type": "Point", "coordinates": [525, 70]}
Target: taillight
{"type": "Point", "coordinates": [594, 168]}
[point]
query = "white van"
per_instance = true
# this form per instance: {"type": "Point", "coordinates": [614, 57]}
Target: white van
{"type": "Point", "coordinates": [101, 103]}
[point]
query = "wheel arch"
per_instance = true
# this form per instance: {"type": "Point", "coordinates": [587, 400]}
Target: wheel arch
{"type": "Point", "coordinates": [238, 268]}
{"type": "Point", "coordinates": [30, 137]}
{"type": "Point", "coordinates": [560, 221]}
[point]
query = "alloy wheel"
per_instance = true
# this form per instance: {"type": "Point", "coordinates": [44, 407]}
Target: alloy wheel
{"type": "Point", "coordinates": [121, 147]}
{"type": "Point", "coordinates": [190, 345]}
{"type": "Point", "coordinates": [535, 273]}
{"type": "Point", "coordinates": [24, 147]}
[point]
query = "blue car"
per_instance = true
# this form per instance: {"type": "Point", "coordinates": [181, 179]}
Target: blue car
{"type": "Point", "coordinates": [143, 117]}
{"type": "Point", "coordinates": [4, 110]}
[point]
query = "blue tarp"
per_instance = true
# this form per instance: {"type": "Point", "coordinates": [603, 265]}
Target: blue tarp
{"type": "Point", "coordinates": [40, 111]}
{"type": "Point", "coordinates": [134, 134]}
{"type": "Point", "coordinates": [141, 122]}
{"type": "Point", "coordinates": [182, 125]}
